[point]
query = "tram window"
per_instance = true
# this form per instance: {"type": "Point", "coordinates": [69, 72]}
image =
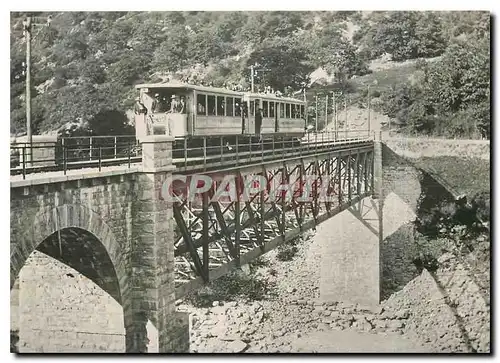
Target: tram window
{"type": "Point", "coordinates": [201, 104]}
{"type": "Point", "coordinates": [237, 106]}
{"type": "Point", "coordinates": [282, 110]}
{"type": "Point", "coordinates": [229, 106]}
{"type": "Point", "coordinates": [302, 112]}
{"type": "Point", "coordinates": [211, 105]}
{"type": "Point", "coordinates": [271, 109]}
{"type": "Point", "coordinates": [295, 111]}
{"type": "Point", "coordinates": [265, 109]}
{"type": "Point", "coordinates": [287, 105]}
{"type": "Point", "coordinates": [252, 108]}
{"type": "Point", "coordinates": [221, 100]}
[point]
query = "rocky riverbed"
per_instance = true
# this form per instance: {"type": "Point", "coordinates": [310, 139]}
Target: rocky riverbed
{"type": "Point", "coordinates": [292, 318]}
{"type": "Point", "coordinates": [439, 311]}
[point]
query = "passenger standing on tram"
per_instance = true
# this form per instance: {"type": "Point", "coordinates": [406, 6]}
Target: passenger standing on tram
{"type": "Point", "coordinates": [140, 109]}
{"type": "Point", "coordinates": [174, 108]}
{"type": "Point", "coordinates": [174, 105]}
{"type": "Point", "coordinates": [258, 123]}
{"type": "Point", "coordinates": [201, 109]}
{"type": "Point", "coordinates": [157, 106]}
{"type": "Point", "coordinates": [182, 105]}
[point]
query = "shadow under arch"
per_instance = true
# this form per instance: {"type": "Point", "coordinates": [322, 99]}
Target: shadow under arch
{"type": "Point", "coordinates": [78, 237]}
{"type": "Point", "coordinates": [82, 251]}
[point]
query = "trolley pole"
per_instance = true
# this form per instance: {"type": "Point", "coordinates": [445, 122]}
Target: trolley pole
{"type": "Point", "coordinates": [326, 111]}
{"type": "Point", "coordinates": [306, 113]}
{"type": "Point", "coordinates": [27, 34]}
{"type": "Point", "coordinates": [335, 121]}
{"type": "Point", "coordinates": [28, 24]}
{"type": "Point", "coordinates": [369, 121]}
{"type": "Point", "coordinates": [252, 75]}
{"type": "Point", "coordinates": [316, 118]}
{"type": "Point", "coordinates": [345, 109]}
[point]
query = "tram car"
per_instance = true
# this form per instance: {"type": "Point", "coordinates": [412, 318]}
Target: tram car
{"type": "Point", "coordinates": [199, 115]}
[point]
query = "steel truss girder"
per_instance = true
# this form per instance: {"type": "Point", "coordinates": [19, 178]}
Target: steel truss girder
{"type": "Point", "coordinates": [225, 234]}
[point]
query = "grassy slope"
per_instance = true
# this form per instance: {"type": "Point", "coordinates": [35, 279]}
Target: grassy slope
{"type": "Point", "coordinates": [385, 78]}
{"type": "Point", "coordinates": [465, 175]}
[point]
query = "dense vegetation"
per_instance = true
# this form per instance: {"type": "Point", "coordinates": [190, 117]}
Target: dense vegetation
{"type": "Point", "coordinates": [85, 64]}
{"type": "Point", "coordinates": [452, 95]}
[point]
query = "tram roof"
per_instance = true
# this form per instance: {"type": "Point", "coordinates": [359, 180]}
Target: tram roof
{"type": "Point", "coordinates": [271, 96]}
{"type": "Point", "coordinates": [187, 86]}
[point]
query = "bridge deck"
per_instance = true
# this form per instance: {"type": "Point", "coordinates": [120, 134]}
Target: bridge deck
{"type": "Point", "coordinates": [71, 174]}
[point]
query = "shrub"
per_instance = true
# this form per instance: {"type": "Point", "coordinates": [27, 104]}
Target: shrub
{"type": "Point", "coordinates": [229, 288]}
{"type": "Point", "coordinates": [287, 254]}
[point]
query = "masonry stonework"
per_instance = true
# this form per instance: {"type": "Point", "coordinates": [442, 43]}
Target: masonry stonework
{"type": "Point", "coordinates": [114, 230]}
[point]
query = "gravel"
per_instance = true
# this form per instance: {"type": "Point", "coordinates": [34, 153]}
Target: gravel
{"type": "Point", "coordinates": [439, 312]}
{"type": "Point", "coordinates": [290, 320]}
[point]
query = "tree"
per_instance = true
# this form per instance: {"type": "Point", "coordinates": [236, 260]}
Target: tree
{"type": "Point", "coordinates": [429, 35]}
{"type": "Point", "coordinates": [396, 35]}
{"type": "Point", "coordinates": [453, 96]}
{"type": "Point", "coordinates": [403, 34]}
{"type": "Point", "coordinates": [281, 23]}
{"type": "Point", "coordinates": [330, 50]}
{"type": "Point", "coordinates": [285, 61]}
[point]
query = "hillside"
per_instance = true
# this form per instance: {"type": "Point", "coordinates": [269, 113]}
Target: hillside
{"type": "Point", "coordinates": [85, 64]}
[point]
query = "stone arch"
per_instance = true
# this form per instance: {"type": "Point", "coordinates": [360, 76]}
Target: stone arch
{"type": "Point", "coordinates": [48, 225]}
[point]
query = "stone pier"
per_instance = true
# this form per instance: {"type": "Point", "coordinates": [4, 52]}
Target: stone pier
{"type": "Point", "coordinates": [350, 266]}
{"type": "Point", "coordinates": [152, 265]}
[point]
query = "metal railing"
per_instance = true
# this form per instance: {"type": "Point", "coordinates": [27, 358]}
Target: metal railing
{"type": "Point", "coordinates": [202, 153]}
{"type": "Point", "coordinates": [73, 153]}
{"type": "Point", "coordinates": [239, 150]}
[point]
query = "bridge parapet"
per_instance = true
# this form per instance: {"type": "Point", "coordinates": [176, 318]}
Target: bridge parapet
{"type": "Point", "coordinates": [43, 149]}
{"type": "Point", "coordinates": [429, 147]}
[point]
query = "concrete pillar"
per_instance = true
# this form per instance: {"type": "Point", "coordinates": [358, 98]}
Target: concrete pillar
{"type": "Point", "coordinates": [377, 170]}
{"type": "Point", "coordinates": [350, 256]}
{"type": "Point", "coordinates": [151, 292]}
{"type": "Point", "coordinates": [14, 317]}
{"type": "Point", "coordinates": [141, 129]}
{"type": "Point", "coordinates": [351, 240]}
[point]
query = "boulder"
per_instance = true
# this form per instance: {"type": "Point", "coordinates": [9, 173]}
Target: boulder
{"type": "Point", "coordinates": [237, 346]}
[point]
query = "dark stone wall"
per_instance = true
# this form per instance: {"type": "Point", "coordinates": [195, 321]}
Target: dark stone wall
{"type": "Point", "coordinates": [398, 248]}
{"type": "Point", "coordinates": [100, 206]}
